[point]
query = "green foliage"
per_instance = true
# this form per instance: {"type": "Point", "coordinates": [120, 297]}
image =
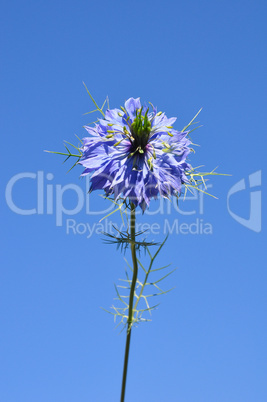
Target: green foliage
{"type": "Point", "coordinates": [145, 290]}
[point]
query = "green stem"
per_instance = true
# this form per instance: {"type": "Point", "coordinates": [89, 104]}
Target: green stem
{"type": "Point", "coordinates": [131, 299]}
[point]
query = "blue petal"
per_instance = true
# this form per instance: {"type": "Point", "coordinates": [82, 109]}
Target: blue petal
{"type": "Point", "coordinates": [131, 105]}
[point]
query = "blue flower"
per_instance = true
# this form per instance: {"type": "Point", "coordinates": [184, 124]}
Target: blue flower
{"type": "Point", "coordinates": [136, 154]}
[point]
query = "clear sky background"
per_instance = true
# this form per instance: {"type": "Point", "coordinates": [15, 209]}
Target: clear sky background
{"type": "Point", "coordinates": [207, 339]}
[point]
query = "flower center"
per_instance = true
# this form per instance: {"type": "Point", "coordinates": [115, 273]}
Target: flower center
{"type": "Point", "coordinates": [140, 130]}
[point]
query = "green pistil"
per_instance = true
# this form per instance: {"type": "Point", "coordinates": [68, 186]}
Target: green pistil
{"type": "Point", "coordinates": [141, 128]}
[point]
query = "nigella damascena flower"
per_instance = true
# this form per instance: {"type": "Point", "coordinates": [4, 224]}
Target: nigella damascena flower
{"type": "Point", "coordinates": [136, 154]}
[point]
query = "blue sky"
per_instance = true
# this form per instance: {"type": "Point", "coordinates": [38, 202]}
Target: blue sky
{"type": "Point", "coordinates": [207, 339]}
